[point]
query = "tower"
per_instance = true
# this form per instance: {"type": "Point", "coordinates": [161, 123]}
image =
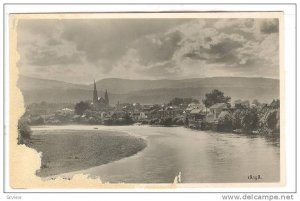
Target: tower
{"type": "Point", "coordinates": [106, 98]}
{"type": "Point", "coordinates": [95, 95]}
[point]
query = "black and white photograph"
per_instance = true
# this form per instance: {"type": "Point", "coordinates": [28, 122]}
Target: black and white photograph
{"type": "Point", "coordinates": [151, 99]}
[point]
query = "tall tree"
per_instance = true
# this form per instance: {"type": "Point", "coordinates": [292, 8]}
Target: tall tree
{"type": "Point", "coordinates": [81, 107]}
{"type": "Point", "coordinates": [215, 96]}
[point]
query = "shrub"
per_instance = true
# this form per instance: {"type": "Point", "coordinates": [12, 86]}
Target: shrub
{"type": "Point", "coordinates": [236, 119]}
{"type": "Point", "coordinates": [249, 119]}
{"type": "Point", "coordinates": [272, 120]}
{"type": "Point", "coordinates": [225, 121]}
{"type": "Point", "coordinates": [154, 121]}
{"type": "Point", "coordinates": [36, 120]}
{"type": "Point", "coordinates": [179, 122]}
{"type": "Point", "coordinates": [166, 121]}
{"type": "Point", "coordinates": [24, 132]}
{"type": "Point", "coordinates": [269, 121]}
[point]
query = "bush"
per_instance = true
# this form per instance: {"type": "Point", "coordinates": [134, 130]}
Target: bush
{"type": "Point", "coordinates": [179, 122]}
{"type": "Point", "coordinates": [208, 125]}
{"type": "Point", "coordinates": [249, 120]}
{"type": "Point", "coordinates": [145, 121]}
{"type": "Point", "coordinates": [166, 121]}
{"type": "Point", "coordinates": [225, 121]}
{"type": "Point", "coordinates": [154, 121]}
{"type": "Point", "coordinates": [236, 119]}
{"type": "Point", "coordinates": [24, 132]}
{"type": "Point", "coordinates": [269, 121]}
{"type": "Point", "coordinates": [37, 120]}
{"type": "Point", "coordinates": [272, 120]}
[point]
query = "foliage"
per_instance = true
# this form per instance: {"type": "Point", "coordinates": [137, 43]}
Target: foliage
{"type": "Point", "coordinates": [272, 120]}
{"type": "Point", "coordinates": [236, 119]}
{"type": "Point", "coordinates": [256, 102]}
{"type": "Point", "coordinates": [186, 121]}
{"type": "Point", "coordinates": [275, 104]}
{"type": "Point", "coordinates": [119, 119]}
{"type": "Point", "coordinates": [44, 108]}
{"type": "Point", "coordinates": [81, 107]}
{"type": "Point", "coordinates": [269, 121]}
{"type": "Point", "coordinates": [36, 120]}
{"type": "Point", "coordinates": [246, 119]}
{"type": "Point", "coordinates": [24, 132]}
{"type": "Point", "coordinates": [249, 119]}
{"type": "Point", "coordinates": [215, 96]}
{"type": "Point", "coordinates": [179, 122]}
{"type": "Point", "coordinates": [154, 121]}
{"type": "Point", "coordinates": [166, 121]}
{"type": "Point", "coordinates": [225, 121]}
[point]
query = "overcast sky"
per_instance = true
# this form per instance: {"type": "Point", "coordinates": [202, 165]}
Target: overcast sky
{"type": "Point", "coordinates": [79, 51]}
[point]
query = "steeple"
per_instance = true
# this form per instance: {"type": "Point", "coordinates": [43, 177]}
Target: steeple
{"type": "Point", "coordinates": [106, 98]}
{"type": "Point", "coordinates": [95, 94]}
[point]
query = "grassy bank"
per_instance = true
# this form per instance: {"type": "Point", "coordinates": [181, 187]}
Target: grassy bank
{"type": "Point", "coordinates": [72, 150]}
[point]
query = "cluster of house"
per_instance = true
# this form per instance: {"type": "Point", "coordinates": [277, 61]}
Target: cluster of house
{"type": "Point", "coordinates": [194, 113]}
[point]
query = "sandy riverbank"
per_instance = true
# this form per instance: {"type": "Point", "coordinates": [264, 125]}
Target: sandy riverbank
{"type": "Point", "coordinates": [72, 150]}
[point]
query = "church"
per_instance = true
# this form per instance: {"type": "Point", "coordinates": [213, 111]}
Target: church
{"type": "Point", "coordinates": [99, 102]}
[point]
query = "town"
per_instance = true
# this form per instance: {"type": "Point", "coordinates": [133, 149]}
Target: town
{"type": "Point", "coordinates": [215, 112]}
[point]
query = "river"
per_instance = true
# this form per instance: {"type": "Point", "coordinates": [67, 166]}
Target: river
{"type": "Point", "coordinates": [200, 156]}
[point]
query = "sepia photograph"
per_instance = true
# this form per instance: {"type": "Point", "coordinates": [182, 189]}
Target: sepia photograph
{"type": "Point", "coordinates": [149, 99]}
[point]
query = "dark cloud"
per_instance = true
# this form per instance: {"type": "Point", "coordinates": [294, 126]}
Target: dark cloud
{"type": "Point", "coordinates": [270, 26]}
{"type": "Point", "coordinates": [109, 39]}
{"type": "Point", "coordinates": [224, 51]}
{"type": "Point", "coordinates": [208, 39]}
{"type": "Point", "coordinates": [148, 48]}
{"type": "Point", "coordinates": [193, 55]}
{"type": "Point", "coordinates": [159, 48]}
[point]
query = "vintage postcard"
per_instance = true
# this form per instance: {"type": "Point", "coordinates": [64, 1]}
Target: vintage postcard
{"type": "Point", "coordinates": [146, 100]}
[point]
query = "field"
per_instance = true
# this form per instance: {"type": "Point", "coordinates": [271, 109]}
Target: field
{"type": "Point", "coordinates": [72, 150]}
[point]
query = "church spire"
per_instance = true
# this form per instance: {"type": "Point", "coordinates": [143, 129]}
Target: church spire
{"type": "Point", "coordinates": [106, 98]}
{"type": "Point", "coordinates": [95, 85]}
{"type": "Point", "coordinates": [95, 94]}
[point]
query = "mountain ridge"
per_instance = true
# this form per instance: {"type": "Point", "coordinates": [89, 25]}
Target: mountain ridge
{"type": "Point", "coordinates": [148, 91]}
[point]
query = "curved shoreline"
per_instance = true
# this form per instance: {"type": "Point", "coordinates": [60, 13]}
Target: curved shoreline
{"type": "Point", "coordinates": [65, 151]}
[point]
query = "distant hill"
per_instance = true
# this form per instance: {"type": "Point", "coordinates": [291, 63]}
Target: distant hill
{"type": "Point", "coordinates": [30, 83]}
{"type": "Point", "coordinates": [148, 91]}
{"type": "Point", "coordinates": [263, 94]}
{"type": "Point", "coordinates": [121, 86]}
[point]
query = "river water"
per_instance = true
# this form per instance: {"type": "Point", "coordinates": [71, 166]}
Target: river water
{"type": "Point", "coordinates": [200, 156]}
